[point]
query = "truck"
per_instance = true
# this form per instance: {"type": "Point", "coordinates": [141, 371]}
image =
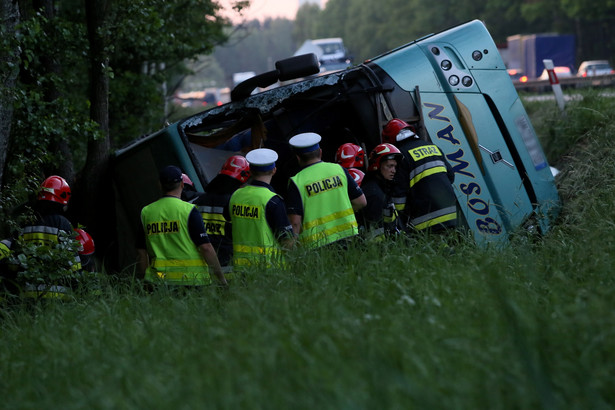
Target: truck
{"type": "Point", "coordinates": [525, 52]}
{"type": "Point", "coordinates": [452, 86]}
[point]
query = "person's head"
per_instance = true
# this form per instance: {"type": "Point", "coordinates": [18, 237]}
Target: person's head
{"type": "Point", "coordinates": [397, 130]}
{"type": "Point", "coordinates": [383, 159]}
{"type": "Point", "coordinates": [306, 146]}
{"type": "Point", "coordinates": [237, 167]}
{"type": "Point", "coordinates": [357, 175]}
{"type": "Point", "coordinates": [54, 189]}
{"type": "Point", "coordinates": [86, 250]}
{"type": "Point", "coordinates": [262, 163]}
{"type": "Point", "coordinates": [170, 178]}
{"type": "Point", "coordinates": [350, 155]}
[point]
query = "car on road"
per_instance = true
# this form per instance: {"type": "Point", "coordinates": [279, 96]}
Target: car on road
{"type": "Point", "coordinates": [594, 67]}
{"type": "Point", "coordinates": [517, 75]}
{"type": "Point", "coordinates": [560, 72]}
{"type": "Point", "coordinates": [451, 86]}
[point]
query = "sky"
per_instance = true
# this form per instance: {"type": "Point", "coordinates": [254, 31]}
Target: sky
{"type": "Point", "coordinates": [262, 9]}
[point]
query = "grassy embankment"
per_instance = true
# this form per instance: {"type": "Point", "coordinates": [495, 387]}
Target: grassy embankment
{"type": "Point", "coordinates": [409, 326]}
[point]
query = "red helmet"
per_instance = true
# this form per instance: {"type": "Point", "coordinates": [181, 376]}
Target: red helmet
{"type": "Point", "coordinates": [237, 167]}
{"type": "Point", "coordinates": [86, 241]}
{"type": "Point", "coordinates": [357, 175]}
{"type": "Point", "coordinates": [187, 180]}
{"type": "Point", "coordinates": [350, 156]}
{"type": "Point", "coordinates": [54, 189]}
{"type": "Point", "coordinates": [382, 152]}
{"type": "Point", "coordinates": [391, 131]}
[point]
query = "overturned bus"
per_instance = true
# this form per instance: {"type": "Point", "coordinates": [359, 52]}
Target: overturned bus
{"type": "Point", "coordinates": [452, 86]}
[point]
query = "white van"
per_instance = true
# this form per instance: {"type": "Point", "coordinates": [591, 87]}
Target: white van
{"type": "Point", "coordinates": [331, 53]}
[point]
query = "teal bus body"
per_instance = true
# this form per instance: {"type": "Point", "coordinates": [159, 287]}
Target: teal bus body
{"type": "Point", "coordinates": [502, 177]}
{"type": "Point", "coordinates": [452, 86]}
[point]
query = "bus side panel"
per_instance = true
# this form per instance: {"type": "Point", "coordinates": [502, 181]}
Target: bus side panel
{"type": "Point", "coordinates": [498, 165]}
{"type": "Point", "coordinates": [521, 138]}
{"type": "Point", "coordinates": [472, 190]}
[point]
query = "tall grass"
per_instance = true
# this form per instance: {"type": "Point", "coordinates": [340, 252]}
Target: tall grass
{"type": "Point", "coordinates": [423, 323]}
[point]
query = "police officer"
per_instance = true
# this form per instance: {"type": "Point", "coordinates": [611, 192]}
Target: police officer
{"type": "Point", "coordinates": [173, 247]}
{"type": "Point", "coordinates": [261, 229]}
{"type": "Point", "coordinates": [379, 217]}
{"type": "Point", "coordinates": [424, 192]}
{"type": "Point", "coordinates": [322, 197]}
{"type": "Point", "coordinates": [215, 200]}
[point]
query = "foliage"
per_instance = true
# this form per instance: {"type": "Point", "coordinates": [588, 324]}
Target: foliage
{"type": "Point", "coordinates": [371, 28]}
{"type": "Point", "coordinates": [45, 264]}
{"type": "Point", "coordinates": [304, 27]}
{"type": "Point", "coordinates": [583, 118]}
{"type": "Point", "coordinates": [47, 107]}
{"type": "Point", "coordinates": [155, 37]}
{"type": "Point", "coordinates": [149, 43]}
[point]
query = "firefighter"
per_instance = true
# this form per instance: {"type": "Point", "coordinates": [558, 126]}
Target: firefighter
{"type": "Point", "coordinates": [423, 191]}
{"type": "Point", "coordinates": [5, 248]}
{"type": "Point", "coordinates": [50, 229]}
{"type": "Point", "coordinates": [7, 275]}
{"type": "Point", "coordinates": [379, 217]}
{"type": "Point", "coordinates": [86, 250]}
{"type": "Point", "coordinates": [350, 155]}
{"type": "Point", "coordinates": [322, 197]}
{"type": "Point", "coordinates": [173, 247]}
{"type": "Point", "coordinates": [357, 175]}
{"type": "Point", "coordinates": [189, 193]}
{"type": "Point", "coordinates": [215, 200]}
{"type": "Point", "coordinates": [260, 225]}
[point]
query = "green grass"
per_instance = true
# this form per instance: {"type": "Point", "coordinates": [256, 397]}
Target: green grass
{"type": "Point", "coordinates": [425, 323]}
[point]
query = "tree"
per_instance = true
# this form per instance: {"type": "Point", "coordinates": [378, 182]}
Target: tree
{"type": "Point", "coordinates": [133, 48]}
{"type": "Point", "coordinates": [9, 15]}
{"type": "Point", "coordinates": [305, 27]}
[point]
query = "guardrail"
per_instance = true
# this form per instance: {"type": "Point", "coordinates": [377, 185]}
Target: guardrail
{"type": "Point", "coordinates": [567, 82]}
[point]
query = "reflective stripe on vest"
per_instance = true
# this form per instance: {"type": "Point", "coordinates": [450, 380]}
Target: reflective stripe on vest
{"type": "Point", "coordinates": [434, 218]}
{"type": "Point", "coordinates": [213, 218]}
{"type": "Point", "coordinates": [43, 235]}
{"type": "Point", "coordinates": [254, 242]}
{"type": "Point", "coordinates": [327, 211]}
{"type": "Point", "coordinates": [425, 170]}
{"type": "Point", "coordinates": [5, 248]}
{"type": "Point", "coordinates": [45, 292]}
{"type": "Point", "coordinates": [321, 236]}
{"type": "Point", "coordinates": [175, 258]}
{"type": "Point", "coordinates": [399, 202]}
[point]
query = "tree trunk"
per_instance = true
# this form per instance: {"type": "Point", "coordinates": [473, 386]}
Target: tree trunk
{"type": "Point", "coordinates": [93, 189]}
{"type": "Point", "coordinates": [9, 57]}
{"type": "Point", "coordinates": [66, 168]}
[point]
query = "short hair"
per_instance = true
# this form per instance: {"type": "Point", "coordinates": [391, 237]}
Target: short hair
{"type": "Point", "coordinates": [261, 173]}
{"type": "Point", "coordinates": [307, 156]}
{"type": "Point", "coordinates": [170, 186]}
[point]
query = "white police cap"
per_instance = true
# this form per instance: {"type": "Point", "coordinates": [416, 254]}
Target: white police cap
{"type": "Point", "coordinates": [262, 159]}
{"type": "Point", "coordinates": [305, 142]}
